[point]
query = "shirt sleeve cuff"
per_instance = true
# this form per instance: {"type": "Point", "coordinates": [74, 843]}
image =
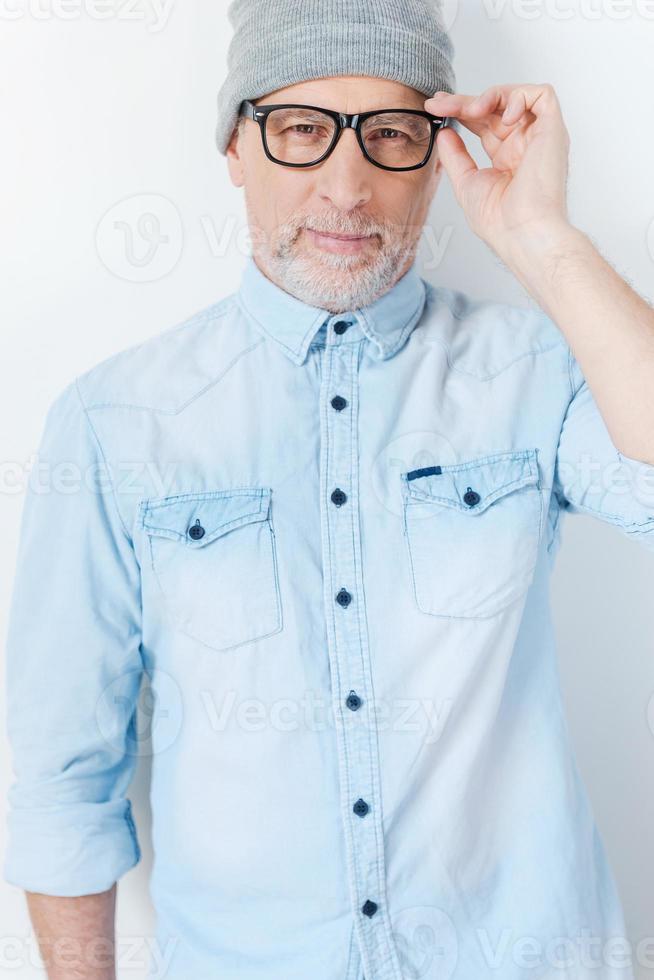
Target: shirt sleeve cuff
{"type": "Point", "coordinates": [80, 849]}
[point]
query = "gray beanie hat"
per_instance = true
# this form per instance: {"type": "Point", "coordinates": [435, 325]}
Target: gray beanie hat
{"type": "Point", "coordinates": [277, 43]}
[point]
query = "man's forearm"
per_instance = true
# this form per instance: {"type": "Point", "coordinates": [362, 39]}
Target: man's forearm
{"type": "Point", "coordinates": [608, 326]}
{"type": "Point", "coordinates": [75, 935]}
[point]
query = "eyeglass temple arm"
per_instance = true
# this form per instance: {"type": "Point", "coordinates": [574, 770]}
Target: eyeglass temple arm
{"type": "Point", "coordinates": [248, 110]}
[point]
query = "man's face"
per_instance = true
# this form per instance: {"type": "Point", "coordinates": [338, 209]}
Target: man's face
{"type": "Point", "coordinates": [345, 195]}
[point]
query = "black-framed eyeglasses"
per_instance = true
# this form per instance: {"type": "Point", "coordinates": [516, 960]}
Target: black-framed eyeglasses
{"type": "Point", "coordinates": [297, 135]}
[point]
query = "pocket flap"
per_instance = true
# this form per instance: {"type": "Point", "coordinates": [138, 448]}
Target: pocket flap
{"type": "Point", "coordinates": [212, 512]}
{"type": "Point", "coordinates": [473, 485]}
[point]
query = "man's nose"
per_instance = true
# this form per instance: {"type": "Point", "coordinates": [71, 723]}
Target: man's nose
{"type": "Point", "coordinates": [345, 177]}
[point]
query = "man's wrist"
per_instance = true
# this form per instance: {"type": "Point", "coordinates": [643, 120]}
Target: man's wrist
{"type": "Point", "coordinates": [540, 253]}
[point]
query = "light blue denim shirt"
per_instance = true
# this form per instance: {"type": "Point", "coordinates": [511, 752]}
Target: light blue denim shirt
{"type": "Point", "coordinates": [327, 542]}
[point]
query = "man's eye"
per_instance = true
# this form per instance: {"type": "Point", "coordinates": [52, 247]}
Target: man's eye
{"type": "Point", "coordinates": [387, 134]}
{"type": "Point", "coordinates": [306, 129]}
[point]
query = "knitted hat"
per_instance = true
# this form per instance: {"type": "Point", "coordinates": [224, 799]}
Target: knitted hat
{"type": "Point", "coordinates": [277, 43]}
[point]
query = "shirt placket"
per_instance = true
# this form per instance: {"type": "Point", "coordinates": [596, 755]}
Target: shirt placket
{"type": "Point", "coordinates": [351, 679]}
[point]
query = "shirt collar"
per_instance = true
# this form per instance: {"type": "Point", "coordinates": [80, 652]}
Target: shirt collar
{"type": "Point", "coordinates": [292, 324]}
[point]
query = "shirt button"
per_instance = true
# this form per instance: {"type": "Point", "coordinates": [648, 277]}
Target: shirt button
{"type": "Point", "coordinates": [360, 808]}
{"type": "Point", "coordinates": [339, 497]}
{"type": "Point", "coordinates": [369, 908]}
{"type": "Point", "coordinates": [341, 326]}
{"type": "Point", "coordinates": [353, 701]}
{"type": "Point", "coordinates": [471, 497]}
{"type": "Point", "coordinates": [344, 598]}
{"type": "Point", "coordinates": [196, 531]}
{"type": "Point", "coordinates": [338, 403]}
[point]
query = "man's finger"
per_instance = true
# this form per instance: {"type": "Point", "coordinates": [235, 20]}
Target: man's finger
{"type": "Point", "coordinates": [509, 101]}
{"type": "Point", "coordinates": [456, 160]}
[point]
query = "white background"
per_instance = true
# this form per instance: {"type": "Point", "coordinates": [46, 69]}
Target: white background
{"type": "Point", "coordinates": [104, 103]}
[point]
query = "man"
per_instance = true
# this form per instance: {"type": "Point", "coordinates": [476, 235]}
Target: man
{"type": "Point", "coordinates": [325, 515]}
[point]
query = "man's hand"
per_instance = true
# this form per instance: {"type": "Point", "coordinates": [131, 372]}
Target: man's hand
{"type": "Point", "coordinates": [524, 191]}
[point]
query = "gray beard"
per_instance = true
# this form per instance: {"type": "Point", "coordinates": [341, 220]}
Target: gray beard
{"type": "Point", "coordinates": [339, 283]}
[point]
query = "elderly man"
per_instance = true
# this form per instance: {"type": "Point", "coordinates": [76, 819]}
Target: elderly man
{"type": "Point", "coordinates": [328, 510]}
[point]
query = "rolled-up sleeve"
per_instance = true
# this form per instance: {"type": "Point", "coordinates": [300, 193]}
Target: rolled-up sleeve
{"type": "Point", "coordinates": [73, 669]}
{"type": "Point", "coordinates": [592, 477]}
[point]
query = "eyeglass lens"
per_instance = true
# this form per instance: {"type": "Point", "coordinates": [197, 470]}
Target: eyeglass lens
{"type": "Point", "coordinates": [393, 139]}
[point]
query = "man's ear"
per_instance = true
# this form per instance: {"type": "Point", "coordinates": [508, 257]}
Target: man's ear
{"type": "Point", "coordinates": [234, 161]}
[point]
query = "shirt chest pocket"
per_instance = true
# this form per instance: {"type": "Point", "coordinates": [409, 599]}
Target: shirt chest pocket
{"type": "Point", "coordinates": [472, 531]}
{"type": "Point", "coordinates": [213, 554]}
